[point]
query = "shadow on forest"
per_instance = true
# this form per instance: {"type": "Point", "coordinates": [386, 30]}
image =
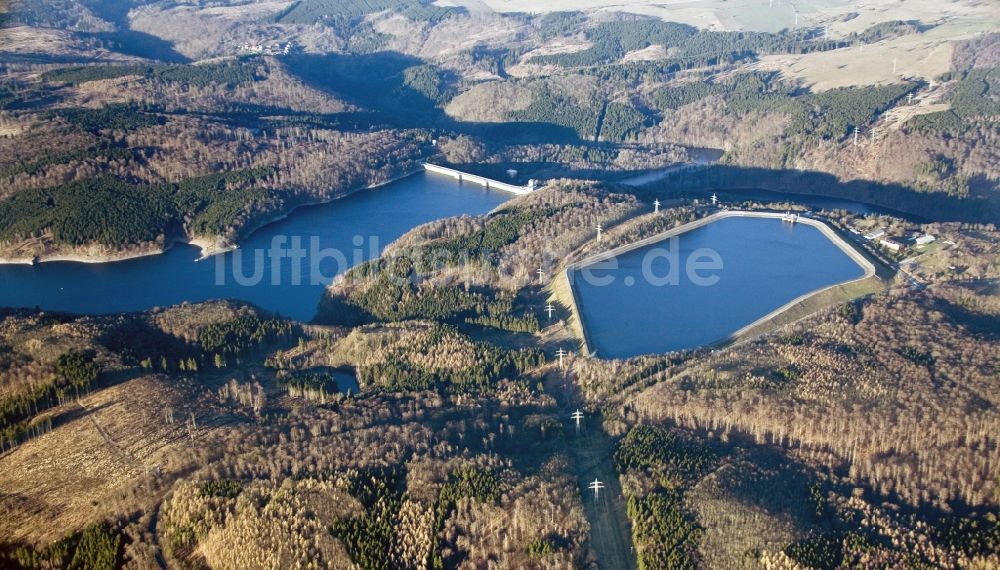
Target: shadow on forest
{"type": "Point", "coordinates": [74, 413]}
{"type": "Point", "coordinates": [125, 40]}
{"type": "Point", "coordinates": [897, 199]}
{"type": "Point", "coordinates": [977, 323]}
{"type": "Point", "coordinates": [377, 82]}
{"type": "Point", "coordinates": [138, 44]}
{"type": "Point", "coordinates": [135, 339]}
{"type": "Point", "coordinates": [777, 483]}
{"type": "Point", "coordinates": [765, 480]}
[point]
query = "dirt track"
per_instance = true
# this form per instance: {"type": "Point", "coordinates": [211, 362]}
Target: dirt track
{"type": "Point", "coordinates": [592, 449]}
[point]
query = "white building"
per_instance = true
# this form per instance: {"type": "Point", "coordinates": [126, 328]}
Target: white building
{"type": "Point", "coordinates": [924, 240]}
{"type": "Point", "coordinates": [891, 245]}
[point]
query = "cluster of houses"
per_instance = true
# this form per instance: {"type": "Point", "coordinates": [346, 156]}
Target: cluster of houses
{"type": "Point", "coordinates": [276, 48]}
{"type": "Point", "coordinates": [896, 244]}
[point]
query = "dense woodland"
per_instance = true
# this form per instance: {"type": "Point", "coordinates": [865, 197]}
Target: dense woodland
{"type": "Point", "coordinates": [836, 384]}
{"type": "Point", "coordinates": [429, 493]}
{"type": "Point", "coordinates": [473, 270]}
{"type": "Point", "coordinates": [148, 137]}
{"type": "Point", "coordinates": [215, 435]}
{"type": "Point", "coordinates": [870, 376]}
{"type": "Point", "coordinates": [612, 40]}
{"type": "Point", "coordinates": [134, 172]}
{"type": "Point", "coordinates": [453, 450]}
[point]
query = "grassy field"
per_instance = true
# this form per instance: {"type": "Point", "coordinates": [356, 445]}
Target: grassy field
{"type": "Point", "coordinates": [99, 447]}
{"type": "Point", "coordinates": [757, 15]}
{"type": "Point", "coordinates": [924, 56]}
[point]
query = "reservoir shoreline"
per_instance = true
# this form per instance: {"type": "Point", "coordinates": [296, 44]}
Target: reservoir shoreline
{"type": "Point", "coordinates": [210, 250]}
{"type": "Point", "coordinates": [586, 338]}
{"type": "Point", "coordinates": [335, 236]}
{"type": "Point", "coordinates": [214, 245]}
{"type": "Point", "coordinates": [211, 246]}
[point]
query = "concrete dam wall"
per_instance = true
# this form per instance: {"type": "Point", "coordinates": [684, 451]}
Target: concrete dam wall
{"type": "Point", "coordinates": [480, 180]}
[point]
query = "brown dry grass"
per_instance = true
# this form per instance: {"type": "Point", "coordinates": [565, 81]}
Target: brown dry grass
{"type": "Point", "coordinates": [924, 55]}
{"type": "Point", "coordinates": [815, 303]}
{"type": "Point", "coordinates": [99, 447]}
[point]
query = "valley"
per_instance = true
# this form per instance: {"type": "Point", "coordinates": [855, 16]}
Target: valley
{"type": "Point", "coordinates": [240, 326]}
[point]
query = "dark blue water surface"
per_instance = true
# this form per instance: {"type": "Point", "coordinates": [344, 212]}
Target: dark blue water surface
{"type": "Point", "coordinates": [358, 226]}
{"type": "Point", "coordinates": [346, 381]}
{"type": "Point", "coordinates": [765, 264]}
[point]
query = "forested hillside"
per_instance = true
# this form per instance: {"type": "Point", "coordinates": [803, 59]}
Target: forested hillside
{"type": "Point", "coordinates": [426, 425]}
{"type": "Point", "coordinates": [442, 410]}
{"type": "Point", "coordinates": [176, 165]}
{"type": "Point", "coordinates": [188, 412]}
{"type": "Point", "coordinates": [208, 150]}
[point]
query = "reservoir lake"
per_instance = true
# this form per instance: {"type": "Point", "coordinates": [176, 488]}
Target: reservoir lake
{"type": "Point", "coordinates": [766, 263]}
{"type": "Point", "coordinates": [359, 226]}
